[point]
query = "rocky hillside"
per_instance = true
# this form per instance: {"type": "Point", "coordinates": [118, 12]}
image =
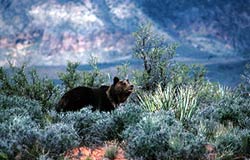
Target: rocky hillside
{"type": "Point", "coordinates": [221, 27]}
{"type": "Point", "coordinates": [51, 32]}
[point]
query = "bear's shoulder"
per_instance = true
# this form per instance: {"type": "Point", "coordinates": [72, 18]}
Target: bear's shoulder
{"type": "Point", "coordinates": [104, 87]}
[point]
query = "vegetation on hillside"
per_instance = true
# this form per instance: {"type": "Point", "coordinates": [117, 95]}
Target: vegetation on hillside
{"type": "Point", "coordinates": [174, 114]}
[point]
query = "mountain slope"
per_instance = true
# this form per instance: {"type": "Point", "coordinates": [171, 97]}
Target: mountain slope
{"type": "Point", "coordinates": [53, 32]}
{"type": "Point", "coordinates": [47, 32]}
{"type": "Point", "coordinates": [221, 27]}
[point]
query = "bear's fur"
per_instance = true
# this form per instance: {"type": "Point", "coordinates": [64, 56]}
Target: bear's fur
{"type": "Point", "coordinates": [105, 98]}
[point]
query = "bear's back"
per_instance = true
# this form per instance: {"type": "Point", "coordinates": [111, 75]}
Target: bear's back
{"type": "Point", "coordinates": [79, 97]}
{"type": "Point", "coordinates": [75, 99]}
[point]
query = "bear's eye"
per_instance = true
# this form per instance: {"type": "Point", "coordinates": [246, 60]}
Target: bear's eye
{"type": "Point", "coordinates": [123, 83]}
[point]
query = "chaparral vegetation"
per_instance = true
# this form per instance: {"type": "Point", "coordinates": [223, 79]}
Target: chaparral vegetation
{"type": "Point", "coordinates": [174, 112]}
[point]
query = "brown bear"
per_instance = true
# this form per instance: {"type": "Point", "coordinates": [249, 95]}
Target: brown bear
{"type": "Point", "coordinates": [104, 98]}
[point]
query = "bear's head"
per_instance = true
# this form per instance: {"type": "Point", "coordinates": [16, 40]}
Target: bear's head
{"type": "Point", "coordinates": [120, 90]}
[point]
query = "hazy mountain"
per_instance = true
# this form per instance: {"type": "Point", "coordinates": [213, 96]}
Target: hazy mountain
{"type": "Point", "coordinates": [208, 24]}
{"type": "Point", "coordinates": [52, 32]}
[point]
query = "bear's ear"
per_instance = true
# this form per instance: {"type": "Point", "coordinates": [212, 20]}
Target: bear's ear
{"type": "Point", "coordinates": [116, 79]}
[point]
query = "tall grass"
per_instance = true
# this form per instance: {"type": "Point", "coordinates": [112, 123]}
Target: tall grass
{"type": "Point", "coordinates": [182, 100]}
{"type": "Point", "coordinates": [186, 102]}
{"type": "Point", "coordinates": [159, 99]}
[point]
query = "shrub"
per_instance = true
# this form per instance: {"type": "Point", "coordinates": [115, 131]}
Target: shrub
{"type": "Point", "coordinates": [182, 75]}
{"type": "Point", "coordinates": [24, 138]}
{"type": "Point", "coordinates": [228, 144]}
{"type": "Point", "coordinates": [58, 138]}
{"type": "Point", "coordinates": [225, 124]}
{"type": "Point", "coordinates": [83, 122]}
{"type": "Point", "coordinates": [155, 54]}
{"type": "Point", "coordinates": [20, 137]}
{"type": "Point", "coordinates": [230, 110]}
{"type": "Point", "coordinates": [26, 134]}
{"type": "Point", "coordinates": [20, 83]}
{"type": "Point", "coordinates": [182, 100]}
{"type": "Point", "coordinates": [73, 78]}
{"type": "Point", "coordinates": [111, 152]}
{"type": "Point", "coordinates": [234, 109]}
{"type": "Point", "coordinates": [159, 136]}
{"type": "Point", "coordinates": [19, 106]}
{"type": "Point", "coordinates": [122, 118]}
{"type": "Point", "coordinates": [93, 127]}
{"type": "Point", "coordinates": [186, 103]}
{"type": "Point", "coordinates": [212, 93]}
{"type": "Point", "coordinates": [158, 99]}
{"type": "Point", "coordinates": [97, 127]}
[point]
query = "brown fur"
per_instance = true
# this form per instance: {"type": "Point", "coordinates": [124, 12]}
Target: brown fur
{"type": "Point", "coordinates": [104, 98]}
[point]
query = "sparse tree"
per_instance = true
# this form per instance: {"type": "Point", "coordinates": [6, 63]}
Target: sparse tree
{"type": "Point", "coordinates": [156, 55]}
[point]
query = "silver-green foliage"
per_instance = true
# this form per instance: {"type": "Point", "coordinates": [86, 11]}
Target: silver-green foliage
{"type": "Point", "coordinates": [234, 109]}
{"type": "Point", "coordinates": [11, 106]}
{"type": "Point", "coordinates": [25, 133]}
{"type": "Point", "coordinates": [147, 135]}
{"type": "Point", "coordinates": [97, 127]}
{"type": "Point", "coordinates": [226, 125]}
{"type": "Point", "coordinates": [233, 142]}
{"type": "Point", "coordinates": [158, 135]}
{"type": "Point", "coordinates": [58, 138]}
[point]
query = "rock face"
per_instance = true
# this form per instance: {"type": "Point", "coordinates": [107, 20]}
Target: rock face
{"type": "Point", "coordinates": [204, 21]}
{"type": "Point", "coordinates": [41, 31]}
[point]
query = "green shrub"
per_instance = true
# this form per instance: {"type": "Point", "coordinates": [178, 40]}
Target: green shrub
{"type": "Point", "coordinates": [73, 78]}
{"type": "Point", "coordinates": [158, 99]}
{"type": "Point", "coordinates": [155, 54]}
{"type": "Point", "coordinates": [234, 109]}
{"type": "Point", "coordinates": [212, 93]}
{"type": "Point", "coordinates": [98, 127]}
{"type": "Point", "coordinates": [123, 117]}
{"type": "Point", "coordinates": [182, 100]}
{"type": "Point", "coordinates": [159, 135]}
{"type": "Point", "coordinates": [26, 134]}
{"type": "Point", "coordinates": [228, 144]}
{"type": "Point", "coordinates": [182, 75]}
{"type": "Point", "coordinates": [83, 122]}
{"type": "Point", "coordinates": [111, 152]}
{"type": "Point", "coordinates": [225, 124]}
{"type": "Point", "coordinates": [11, 106]}
{"type": "Point", "coordinates": [58, 138]}
{"type": "Point", "coordinates": [18, 135]}
{"type": "Point", "coordinates": [20, 83]}
{"type": "Point", "coordinates": [186, 103]}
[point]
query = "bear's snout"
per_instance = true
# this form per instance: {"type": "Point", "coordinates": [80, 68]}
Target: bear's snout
{"type": "Point", "coordinates": [131, 87]}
